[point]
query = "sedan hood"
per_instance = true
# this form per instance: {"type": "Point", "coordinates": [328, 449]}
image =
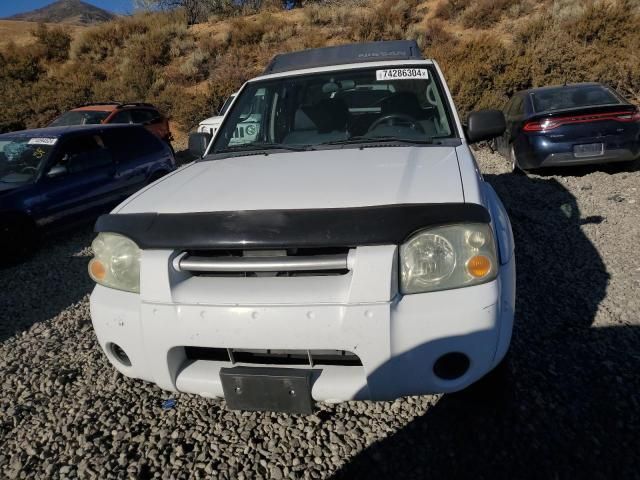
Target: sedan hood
{"type": "Point", "coordinates": [337, 178]}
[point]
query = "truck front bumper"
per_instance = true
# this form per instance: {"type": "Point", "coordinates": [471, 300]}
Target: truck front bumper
{"type": "Point", "coordinates": [397, 341]}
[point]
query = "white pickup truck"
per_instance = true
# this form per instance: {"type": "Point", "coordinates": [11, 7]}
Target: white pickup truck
{"type": "Point", "coordinates": [350, 249]}
{"type": "Point", "coordinates": [247, 129]}
{"type": "Point", "coordinates": [210, 125]}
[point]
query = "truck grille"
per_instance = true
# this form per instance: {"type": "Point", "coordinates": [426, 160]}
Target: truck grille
{"type": "Point", "coordinates": [274, 357]}
{"type": "Point", "coordinates": [291, 262]}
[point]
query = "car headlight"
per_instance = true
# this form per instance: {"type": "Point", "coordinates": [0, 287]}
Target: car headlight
{"type": "Point", "coordinates": [448, 257]}
{"type": "Point", "coordinates": [116, 262]}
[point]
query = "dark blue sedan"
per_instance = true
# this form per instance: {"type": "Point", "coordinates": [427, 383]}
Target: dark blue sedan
{"type": "Point", "coordinates": [572, 124]}
{"type": "Point", "coordinates": [55, 177]}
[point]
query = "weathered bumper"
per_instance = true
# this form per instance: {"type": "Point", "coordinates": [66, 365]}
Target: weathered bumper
{"type": "Point", "coordinates": [397, 340]}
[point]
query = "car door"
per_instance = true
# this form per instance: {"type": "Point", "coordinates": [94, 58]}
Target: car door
{"type": "Point", "coordinates": [78, 183]}
{"type": "Point", "coordinates": [513, 118]}
{"type": "Point", "coordinates": [138, 155]}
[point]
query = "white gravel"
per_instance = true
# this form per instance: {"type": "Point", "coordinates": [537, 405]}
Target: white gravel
{"type": "Point", "coordinates": [570, 407]}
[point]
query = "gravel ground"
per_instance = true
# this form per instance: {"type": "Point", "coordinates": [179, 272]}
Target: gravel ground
{"type": "Point", "coordinates": [568, 408]}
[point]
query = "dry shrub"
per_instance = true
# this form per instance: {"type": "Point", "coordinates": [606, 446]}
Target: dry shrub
{"type": "Point", "coordinates": [154, 57]}
{"type": "Point", "coordinates": [603, 21]}
{"type": "Point", "coordinates": [194, 67]}
{"type": "Point", "coordinates": [106, 39]}
{"type": "Point", "coordinates": [434, 34]}
{"type": "Point", "coordinates": [568, 9]}
{"type": "Point", "coordinates": [450, 9]}
{"type": "Point", "coordinates": [486, 13]}
{"type": "Point", "coordinates": [471, 68]}
{"type": "Point", "coordinates": [53, 42]}
{"type": "Point", "coordinates": [600, 44]}
{"type": "Point", "coordinates": [388, 20]}
{"type": "Point", "coordinates": [261, 28]}
{"type": "Point", "coordinates": [187, 109]}
{"type": "Point", "coordinates": [319, 15]}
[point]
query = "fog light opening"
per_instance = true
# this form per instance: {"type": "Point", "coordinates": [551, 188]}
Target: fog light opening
{"type": "Point", "coordinates": [119, 354]}
{"type": "Point", "coordinates": [451, 366]}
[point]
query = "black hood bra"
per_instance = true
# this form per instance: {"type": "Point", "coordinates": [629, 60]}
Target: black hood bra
{"type": "Point", "coordinates": [308, 228]}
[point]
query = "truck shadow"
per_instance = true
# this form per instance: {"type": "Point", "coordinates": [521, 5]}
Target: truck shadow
{"type": "Point", "coordinates": [568, 406]}
{"type": "Point", "coordinates": [47, 282]}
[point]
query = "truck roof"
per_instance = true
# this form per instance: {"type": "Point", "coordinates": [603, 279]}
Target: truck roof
{"type": "Point", "coordinates": [344, 54]}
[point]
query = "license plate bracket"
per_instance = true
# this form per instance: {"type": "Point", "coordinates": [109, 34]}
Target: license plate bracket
{"type": "Point", "coordinates": [267, 389]}
{"type": "Point", "coordinates": [588, 150]}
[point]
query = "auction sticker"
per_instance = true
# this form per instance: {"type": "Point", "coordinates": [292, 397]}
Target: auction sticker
{"type": "Point", "coordinates": [402, 74]}
{"type": "Point", "coordinates": [42, 141]}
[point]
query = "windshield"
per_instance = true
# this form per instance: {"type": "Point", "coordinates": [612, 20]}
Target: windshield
{"type": "Point", "coordinates": [225, 105]}
{"type": "Point", "coordinates": [369, 104]}
{"type": "Point", "coordinates": [21, 158]}
{"type": "Point", "coordinates": [563, 98]}
{"type": "Point", "coordinates": [79, 117]}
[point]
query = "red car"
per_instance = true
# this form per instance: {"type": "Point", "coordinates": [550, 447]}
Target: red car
{"type": "Point", "coordinates": [114, 112]}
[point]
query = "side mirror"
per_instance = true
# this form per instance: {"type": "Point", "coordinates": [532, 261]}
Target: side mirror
{"type": "Point", "coordinates": [198, 143]}
{"type": "Point", "coordinates": [485, 125]}
{"type": "Point", "coordinates": [57, 171]}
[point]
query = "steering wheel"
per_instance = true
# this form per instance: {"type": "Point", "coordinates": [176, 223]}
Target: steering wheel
{"type": "Point", "coordinates": [391, 118]}
{"type": "Point", "coordinates": [28, 169]}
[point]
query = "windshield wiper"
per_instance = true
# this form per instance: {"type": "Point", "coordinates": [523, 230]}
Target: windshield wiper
{"type": "Point", "coordinates": [252, 147]}
{"type": "Point", "coordinates": [384, 139]}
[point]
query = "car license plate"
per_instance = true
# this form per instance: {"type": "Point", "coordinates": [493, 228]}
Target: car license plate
{"type": "Point", "coordinates": [270, 389]}
{"type": "Point", "coordinates": [588, 150]}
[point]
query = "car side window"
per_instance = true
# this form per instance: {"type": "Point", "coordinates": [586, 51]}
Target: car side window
{"type": "Point", "coordinates": [122, 117]}
{"type": "Point", "coordinates": [515, 109]}
{"type": "Point", "coordinates": [144, 116]}
{"type": "Point", "coordinates": [129, 144]}
{"type": "Point", "coordinates": [507, 107]}
{"type": "Point", "coordinates": [82, 154]}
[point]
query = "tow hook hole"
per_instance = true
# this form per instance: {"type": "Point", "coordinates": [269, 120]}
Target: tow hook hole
{"type": "Point", "coordinates": [120, 355]}
{"type": "Point", "coordinates": [451, 366]}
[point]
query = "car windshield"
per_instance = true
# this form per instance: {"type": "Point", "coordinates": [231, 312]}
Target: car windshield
{"type": "Point", "coordinates": [79, 117]}
{"type": "Point", "coordinates": [568, 97]}
{"type": "Point", "coordinates": [343, 107]}
{"type": "Point", "coordinates": [21, 158]}
{"type": "Point", "coordinates": [225, 105]}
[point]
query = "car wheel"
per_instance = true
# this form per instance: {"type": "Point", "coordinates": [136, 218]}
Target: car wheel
{"type": "Point", "coordinates": [513, 162]}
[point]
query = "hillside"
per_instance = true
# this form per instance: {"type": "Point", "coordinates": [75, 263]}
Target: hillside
{"type": "Point", "coordinates": [66, 11]}
{"type": "Point", "coordinates": [488, 49]}
{"type": "Point", "coordinates": [19, 31]}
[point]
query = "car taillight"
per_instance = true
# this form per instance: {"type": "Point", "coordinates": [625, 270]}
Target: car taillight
{"type": "Point", "coordinates": [546, 124]}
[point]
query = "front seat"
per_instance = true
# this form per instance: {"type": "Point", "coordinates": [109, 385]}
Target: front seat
{"type": "Point", "coordinates": [326, 121]}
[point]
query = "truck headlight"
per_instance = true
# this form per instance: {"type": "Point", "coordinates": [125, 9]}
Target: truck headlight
{"type": "Point", "coordinates": [116, 262]}
{"type": "Point", "coordinates": [448, 257]}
